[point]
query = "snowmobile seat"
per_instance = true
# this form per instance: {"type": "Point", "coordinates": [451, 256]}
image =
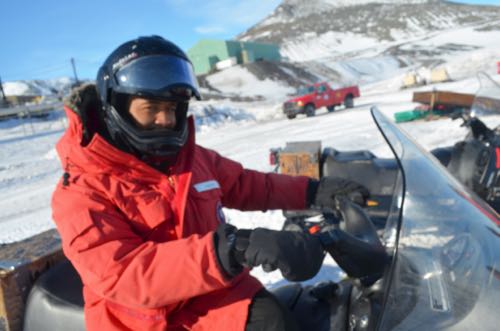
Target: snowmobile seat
{"type": "Point", "coordinates": [55, 302]}
{"type": "Point", "coordinates": [288, 294]}
{"type": "Point", "coordinates": [322, 306]}
{"type": "Point", "coordinates": [348, 156]}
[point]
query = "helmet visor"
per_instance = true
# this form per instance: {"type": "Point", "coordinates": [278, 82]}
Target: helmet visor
{"type": "Point", "coordinates": [158, 76]}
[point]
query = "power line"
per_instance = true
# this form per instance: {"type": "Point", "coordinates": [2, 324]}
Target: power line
{"type": "Point", "coordinates": [62, 68]}
{"type": "Point", "coordinates": [38, 71]}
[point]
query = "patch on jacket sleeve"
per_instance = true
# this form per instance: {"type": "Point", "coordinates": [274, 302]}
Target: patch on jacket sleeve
{"type": "Point", "coordinates": [207, 186]}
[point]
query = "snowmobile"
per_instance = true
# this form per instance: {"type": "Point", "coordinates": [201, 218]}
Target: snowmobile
{"type": "Point", "coordinates": [426, 258]}
{"type": "Point", "coordinates": [475, 161]}
{"type": "Point", "coordinates": [439, 272]}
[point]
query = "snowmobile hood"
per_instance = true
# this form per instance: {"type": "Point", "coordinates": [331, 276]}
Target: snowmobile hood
{"type": "Point", "coordinates": [100, 157]}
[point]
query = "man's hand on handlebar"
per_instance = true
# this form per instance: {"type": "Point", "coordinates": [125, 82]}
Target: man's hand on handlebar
{"type": "Point", "coordinates": [298, 255]}
{"type": "Point", "coordinates": [322, 194]}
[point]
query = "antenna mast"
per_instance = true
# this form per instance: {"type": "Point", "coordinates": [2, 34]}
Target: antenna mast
{"type": "Point", "coordinates": [74, 71]}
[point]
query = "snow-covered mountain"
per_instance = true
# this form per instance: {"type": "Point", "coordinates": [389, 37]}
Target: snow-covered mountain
{"type": "Point", "coordinates": [365, 41]}
{"type": "Point", "coordinates": [382, 20]}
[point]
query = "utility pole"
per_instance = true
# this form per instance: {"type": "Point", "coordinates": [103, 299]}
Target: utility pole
{"type": "Point", "coordinates": [74, 71]}
{"type": "Point", "coordinates": [4, 99]}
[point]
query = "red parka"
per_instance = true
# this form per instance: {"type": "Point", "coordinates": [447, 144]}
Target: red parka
{"type": "Point", "coordinates": [142, 241]}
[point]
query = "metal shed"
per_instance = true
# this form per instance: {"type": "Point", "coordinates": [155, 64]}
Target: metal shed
{"type": "Point", "coordinates": [207, 52]}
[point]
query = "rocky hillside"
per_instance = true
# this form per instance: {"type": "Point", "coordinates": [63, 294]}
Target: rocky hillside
{"type": "Point", "coordinates": [381, 20]}
{"type": "Point", "coordinates": [332, 27]}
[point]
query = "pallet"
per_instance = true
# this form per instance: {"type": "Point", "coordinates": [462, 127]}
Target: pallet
{"type": "Point", "coordinates": [444, 98]}
{"type": "Point", "coordinates": [20, 265]}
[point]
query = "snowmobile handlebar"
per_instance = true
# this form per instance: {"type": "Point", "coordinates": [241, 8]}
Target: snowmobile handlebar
{"type": "Point", "coordinates": [358, 258]}
{"type": "Point", "coordinates": [350, 237]}
{"type": "Point", "coordinates": [355, 244]}
{"type": "Point", "coordinates": [479, 130]}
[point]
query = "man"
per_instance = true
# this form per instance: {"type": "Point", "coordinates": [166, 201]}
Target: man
{"type": "Point", "coordinates": [139, 207]}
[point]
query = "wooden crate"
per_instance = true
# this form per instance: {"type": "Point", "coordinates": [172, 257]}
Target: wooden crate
{"type": "Point", "coordinates": [20, 265]}
{"type": "Point", "coordinates": [301, 158]}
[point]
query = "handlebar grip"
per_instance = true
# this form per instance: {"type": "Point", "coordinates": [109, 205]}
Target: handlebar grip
{"type": "Point", "coordinates": [356, 257]}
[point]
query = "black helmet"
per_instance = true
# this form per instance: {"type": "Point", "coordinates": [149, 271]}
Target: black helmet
{"type": "Point", "coordinates": [153, 68]}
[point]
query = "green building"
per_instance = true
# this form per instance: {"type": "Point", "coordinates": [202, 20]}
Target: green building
{"type": "Point", "coordinates": [207, 52]}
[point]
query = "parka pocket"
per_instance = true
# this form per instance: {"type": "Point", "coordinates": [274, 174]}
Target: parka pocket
{"type": "Point", "coordinates": [137, 318]}
{"type": "Point", "coordinates": [76, 226]}
{"type": "Point", "coordinates": [148, 210]}
{"type": "Point", "coordinates": [205, 209]}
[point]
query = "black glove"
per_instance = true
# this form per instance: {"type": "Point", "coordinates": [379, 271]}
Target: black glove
{"type": "Point", "coordinates": [224, 243]}
{"type": "Point", "coordinates": [330, 187]}
{"type": "Point", "coordinates": [298, 255]}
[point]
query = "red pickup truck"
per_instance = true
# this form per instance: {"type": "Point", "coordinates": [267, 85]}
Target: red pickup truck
{"type": "Point", "coordinates": [319, 95]}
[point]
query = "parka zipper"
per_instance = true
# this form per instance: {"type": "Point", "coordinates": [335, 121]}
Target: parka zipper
{"type": "Point", "coordinates": [171, 182]}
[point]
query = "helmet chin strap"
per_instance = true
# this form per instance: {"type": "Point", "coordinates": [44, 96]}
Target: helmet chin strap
{"type": "Point", "coordinates": [151, 147]}
{"type": "Point", "coordinates": [115, 135]}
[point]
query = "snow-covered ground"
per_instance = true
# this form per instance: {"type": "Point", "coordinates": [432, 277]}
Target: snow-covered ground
{"type": "Point", "coordinates": [29, 168]}
{"type": "Point", "coordinates": [239, 81]}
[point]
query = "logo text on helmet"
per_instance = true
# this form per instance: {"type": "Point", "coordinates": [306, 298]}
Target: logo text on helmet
{"type": "Point", "coordinates": [124, 60]}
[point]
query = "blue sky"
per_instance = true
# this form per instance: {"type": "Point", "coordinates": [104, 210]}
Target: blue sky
{"type": "Point", "coordinates": [41, 36]}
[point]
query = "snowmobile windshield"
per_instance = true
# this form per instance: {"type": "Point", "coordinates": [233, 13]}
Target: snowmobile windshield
{"type": "Point", "coordinates": [445, 247]}
{"type": "Point", "coordinates": [487, 98]}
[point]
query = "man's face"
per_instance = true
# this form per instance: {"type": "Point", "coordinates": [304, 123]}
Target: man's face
{"type": "Point", "coordinates": [153, 114]}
